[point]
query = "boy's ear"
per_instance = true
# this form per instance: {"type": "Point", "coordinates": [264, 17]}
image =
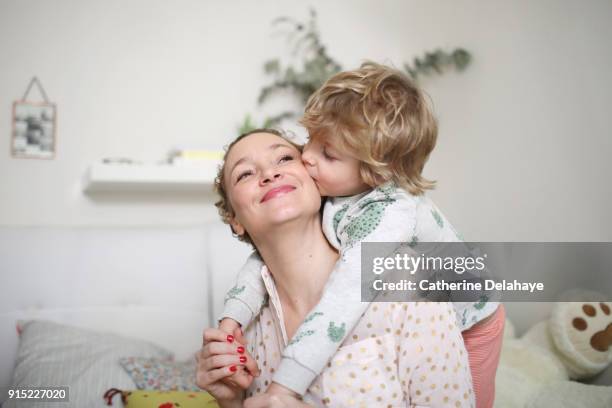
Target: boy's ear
{"type": "Point", "coordinates": [236, 226]}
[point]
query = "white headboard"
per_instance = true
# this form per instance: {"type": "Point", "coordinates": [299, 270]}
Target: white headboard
{"type": "Point", "coordinates": [160, 284]}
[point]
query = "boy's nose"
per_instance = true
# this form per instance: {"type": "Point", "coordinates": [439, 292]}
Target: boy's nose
{"type": "Point", "coordinates": [307, 159]}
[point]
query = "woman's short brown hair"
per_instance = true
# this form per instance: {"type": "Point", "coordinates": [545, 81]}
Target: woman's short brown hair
{"type": "Point", "coordinates": [224, 206]}
{"type": "Point", "coordinates": [380, 116]}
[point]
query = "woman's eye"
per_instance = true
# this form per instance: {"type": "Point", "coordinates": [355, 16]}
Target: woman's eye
{"type": "Point", "coordinates": [286, 157]}
{"type": "Point", "coordinates": [243, 175]}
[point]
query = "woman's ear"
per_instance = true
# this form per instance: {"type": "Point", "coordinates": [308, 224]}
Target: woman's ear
{"type": "Point", "coordinates": [236, 226]}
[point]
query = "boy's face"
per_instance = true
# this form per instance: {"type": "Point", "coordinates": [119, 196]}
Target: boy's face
{"type": "Point", "coordinates": [336, 173]}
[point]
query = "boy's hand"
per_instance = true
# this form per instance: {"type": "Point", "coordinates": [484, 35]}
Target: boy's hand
{"type": "Point", "coordinates": [280, 390]}
{"type": "Point", "coordinates": [280, 397]}
{"type": "Point", "coordinates": [228, 325]}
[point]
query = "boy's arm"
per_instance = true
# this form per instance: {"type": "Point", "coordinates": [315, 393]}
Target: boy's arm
{"type": "Point", "coordinates": [340, 307]}
{"type": "Point", "coordinates": [244, 300]}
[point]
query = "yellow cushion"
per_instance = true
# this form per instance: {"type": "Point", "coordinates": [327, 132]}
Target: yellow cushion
{"type": "Point", "coordinates": [168, 399]}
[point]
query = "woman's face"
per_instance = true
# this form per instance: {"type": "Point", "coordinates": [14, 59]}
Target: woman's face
{"type": "Point", "coordinates": [267, 184]}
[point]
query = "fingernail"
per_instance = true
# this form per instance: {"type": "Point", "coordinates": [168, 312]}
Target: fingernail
{"type": "Point", "coordinates": [243, 359]}
{"type": "Point", "coordinates": [230, 338]}
{"type": "Point", "coordinates": [233, 369]}
{"type": "Point", "coordinates": [240, 349]}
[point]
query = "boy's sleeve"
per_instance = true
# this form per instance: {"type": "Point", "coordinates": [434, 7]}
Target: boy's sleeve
{"type": "Point", "coordinates": [318, 338]}
{"type": "Point", "coordinates": [244, 300]}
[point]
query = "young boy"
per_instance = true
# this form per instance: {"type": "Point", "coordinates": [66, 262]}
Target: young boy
{"type": "Point", "coordinates": [370, 134]}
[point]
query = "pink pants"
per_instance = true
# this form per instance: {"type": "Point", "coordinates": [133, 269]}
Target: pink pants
{"type": "Point", "coordinates": [483, 343]}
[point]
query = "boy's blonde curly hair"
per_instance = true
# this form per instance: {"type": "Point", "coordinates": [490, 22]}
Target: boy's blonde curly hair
{"type": "Point", "coordinates": [379, 115]}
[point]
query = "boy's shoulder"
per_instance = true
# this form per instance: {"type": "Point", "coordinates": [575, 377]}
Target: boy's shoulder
{"type": "Point", "coordinates": [395, 204]}
{"type": "Point", "coordinates": [386, 194]}
{"type": "Point", "coordinates": [357, 216]}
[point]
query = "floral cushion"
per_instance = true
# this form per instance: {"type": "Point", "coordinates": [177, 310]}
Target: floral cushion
{"type": "Point", "coordinates": [161, 374]}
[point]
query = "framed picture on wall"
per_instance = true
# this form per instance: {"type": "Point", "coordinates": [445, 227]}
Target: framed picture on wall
{"type": "Point", "coordinates": [33, 130]}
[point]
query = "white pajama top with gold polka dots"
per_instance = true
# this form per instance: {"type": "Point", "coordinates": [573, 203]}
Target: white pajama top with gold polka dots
{"type": "Point", "coordinates": [398, 355]}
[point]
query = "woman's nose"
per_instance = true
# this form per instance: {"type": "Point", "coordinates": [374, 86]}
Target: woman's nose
{"type": "Point", "coordinates": [270, 175]}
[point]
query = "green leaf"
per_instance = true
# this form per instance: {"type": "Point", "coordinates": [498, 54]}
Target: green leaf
{"type": "Point", "coordinates": [272, 66]}
{"type": "Point", "coordinates": [462, 58]}
{"type": "Point", "coordinates": [246, 125]}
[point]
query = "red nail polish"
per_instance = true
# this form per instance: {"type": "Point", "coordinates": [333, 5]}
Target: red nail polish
{"type": "Point", "coordinates": [233, 369]}
{"type": "Point", "coordinates": [243, 359]}
{"type": "Point", "coordinates": [240, 350]}
{"type": "Point", "coordinates": [230, 338]}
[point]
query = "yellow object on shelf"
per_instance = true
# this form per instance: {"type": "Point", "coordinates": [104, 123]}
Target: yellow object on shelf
{"type": "Point", "coordinates": [201, 154]}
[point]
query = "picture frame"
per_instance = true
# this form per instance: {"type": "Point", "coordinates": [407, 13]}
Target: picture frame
{"type": "Point", "coordinates": [34, 130]}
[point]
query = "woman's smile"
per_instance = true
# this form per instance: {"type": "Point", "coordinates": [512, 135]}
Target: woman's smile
{"type": "Point", "coordinates": [277, 192]}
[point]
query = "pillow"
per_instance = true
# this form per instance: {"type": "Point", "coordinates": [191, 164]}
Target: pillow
{"type": "Point", "coordinates": [158, 374]}
{"type": "Point", "coordinates": [162, 399]}
{"type": "Point", "coordinates": [52, 354]}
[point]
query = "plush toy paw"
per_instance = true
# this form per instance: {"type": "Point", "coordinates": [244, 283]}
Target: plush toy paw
{"type": "Point", "coordinates": [601, 340]}
{"type": "Point", "coordinates": [582, 332]}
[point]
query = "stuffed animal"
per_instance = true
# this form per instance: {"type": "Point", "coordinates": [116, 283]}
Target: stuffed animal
{"type": "Point", "coordinates": [575, 343]}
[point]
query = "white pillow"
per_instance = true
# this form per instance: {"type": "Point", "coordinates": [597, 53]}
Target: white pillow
{"type": "Point", "coordinates": [52, 354]}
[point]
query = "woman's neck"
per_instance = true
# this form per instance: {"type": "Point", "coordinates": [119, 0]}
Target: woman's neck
{"type": "Point", "coordinates": [300, 259]}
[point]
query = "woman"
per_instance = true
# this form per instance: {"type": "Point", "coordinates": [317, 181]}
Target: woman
{"type": "Point", "coordinates": [399, 354]}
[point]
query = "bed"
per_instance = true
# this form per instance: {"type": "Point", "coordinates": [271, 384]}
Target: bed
{"type": "Point", "coordinates": [161, 286]}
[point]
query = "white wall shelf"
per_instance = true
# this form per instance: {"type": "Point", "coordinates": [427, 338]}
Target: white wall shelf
{"type": "Point", "coordinates": [197, 177]}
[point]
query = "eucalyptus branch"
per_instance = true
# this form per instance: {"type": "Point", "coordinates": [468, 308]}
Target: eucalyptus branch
{"type": "Point", "coordinates": [438, 61]}
{"type": "Point", "coordinates": [316, 66]}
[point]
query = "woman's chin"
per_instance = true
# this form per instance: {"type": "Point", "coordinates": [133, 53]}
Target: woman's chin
{"type": "Point", "coordinates": [284, 212]}
{"type": "Point", "coordinates": [284, 215]}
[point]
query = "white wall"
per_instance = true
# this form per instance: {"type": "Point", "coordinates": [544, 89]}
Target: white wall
{"type": "Point", "coordinates": [524, 143]}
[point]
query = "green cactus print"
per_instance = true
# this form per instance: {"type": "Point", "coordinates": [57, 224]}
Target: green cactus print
{"type": "Point", "coordinates": [438, 218]}
{"type": "Point", "coordinates": [387, 189]}
{"type": "Point", "coordinates": [297, 338]}
{"type": "Point", "coordinates": [312, 316]}
{"type": "Point", "coordinates": [481, 302]}
{"type": "Point", "coordinates": [368, 220]}
{"type": "Point", "coordinates": [336, 333]}
{"type": "Point", "coordinates": [414, 241]}
{"type": "Point", "coordinates": [234, 292]}
{"type": "Point", "coordinates": [457, 234]}
{"type": "Point", "coordinates": [372, 211]}
{"type": "Point", "coordinates": [338, 216]}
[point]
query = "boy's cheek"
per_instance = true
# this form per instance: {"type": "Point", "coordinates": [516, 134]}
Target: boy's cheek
{"type": "Point", "coordinates": [322, 190]}
{"type": "Point", "coordinates": [312, 172]}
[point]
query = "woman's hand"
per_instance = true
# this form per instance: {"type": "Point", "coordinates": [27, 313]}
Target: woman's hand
{"type": "Point", "coordinates": [224, 367]}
